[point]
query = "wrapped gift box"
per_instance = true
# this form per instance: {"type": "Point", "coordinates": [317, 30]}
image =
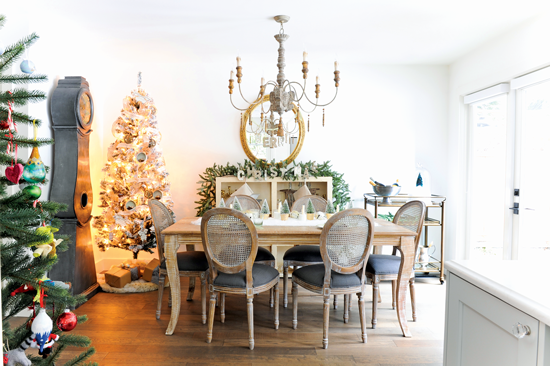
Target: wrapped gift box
{"type": "Point", "coordinates": [149, 268]}
{"type": "Point", "coordinates": [118, 277]}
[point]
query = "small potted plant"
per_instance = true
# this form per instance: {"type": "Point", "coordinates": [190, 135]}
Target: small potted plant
{"type": "Point", "coordinates": [265, 210]}
{"type": "Point", "coordinates": [330, 210]}
{"type": "Point", "coordinates": [310, 210]}
{"type": "Point", "coordinates": [221, 204]}
{"type": "Point", "coordinates": [285, 211]}
{"type": "Point", "coordinates": [237, 205]}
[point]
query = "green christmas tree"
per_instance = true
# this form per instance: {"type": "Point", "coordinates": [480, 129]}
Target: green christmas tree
{"type": "Point", "coordinates": [222, 203]}
{"type": "Point", "coordinates": [310, 209]}
{"type": "Point", "coordinates": [237, 205]}
{"type": "Point", "coordinates": [330, 208]}
{"type": "Point", "coordinates": [22, 227]}
{"type": "Point", "coordinates": [284, 208]}
{"type": "Point", "coordinates": [265, 208]}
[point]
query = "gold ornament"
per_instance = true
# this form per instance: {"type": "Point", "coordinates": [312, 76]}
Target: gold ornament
{"type": "Point", "coordinates": [148, 194]}
{"type": "Point", "coordinates": [152, 143]}
{"type": "Point", "coordinates": [128, 139]}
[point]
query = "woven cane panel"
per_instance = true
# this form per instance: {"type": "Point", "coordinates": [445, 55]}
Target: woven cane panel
{"type": "Point", "coordinates": [347, 239]}
{"type": "Point", "coordinates": [319, 203]}
{"type": "Point", "coordinates": [410, 217]}
{"type": "Point", "coordinates": [247, 202]}
{"type": "Point", "coordinates": [229, 240]}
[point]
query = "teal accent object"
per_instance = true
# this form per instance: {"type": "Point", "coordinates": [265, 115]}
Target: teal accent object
{"type": "Point", "coordinates": [419, 181]}
{"type": "Point", "coordinates": [35, 171]}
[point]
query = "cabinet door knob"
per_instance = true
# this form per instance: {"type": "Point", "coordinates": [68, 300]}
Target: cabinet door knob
{"type": "Point", "coordinates": [519, 330]}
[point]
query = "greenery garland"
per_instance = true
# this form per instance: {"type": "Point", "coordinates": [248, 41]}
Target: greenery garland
{"type": "Point", "coordinates": [207, 189]}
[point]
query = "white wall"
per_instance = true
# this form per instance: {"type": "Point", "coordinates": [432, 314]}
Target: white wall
{"type": "Point", "coordinates": [385, 119]}
{"type": "Point", "coordinates": [515, 53]}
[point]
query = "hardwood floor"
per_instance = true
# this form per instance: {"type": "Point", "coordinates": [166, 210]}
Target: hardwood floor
{"type": "Point", "coordinates": [124, 331]}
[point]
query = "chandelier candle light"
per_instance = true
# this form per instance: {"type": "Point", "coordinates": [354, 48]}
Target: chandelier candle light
{"type": "Point", "coordinates": [283, 95]}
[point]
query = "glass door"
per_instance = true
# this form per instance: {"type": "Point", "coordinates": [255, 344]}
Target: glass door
{"type": "Point", "coordinates": [486, 210]}
{"type": "Point", "coordinates": [532, 238]}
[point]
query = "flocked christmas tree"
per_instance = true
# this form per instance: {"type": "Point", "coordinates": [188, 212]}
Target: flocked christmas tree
{"type": "Point", "coordinates": [330, 208]}
{"type": "Point", "coordinates": [284, 208]}
{"type": "Point", "coordinates": [28, 243]}
{"type": "Point", "coordinates": [310, 209]}
{"type": "Point", "coordinates": [134, 174]}
{"type": "Point", "coordinates": [237, 205]}
{"type": "Point", "coordinates": [221, 204]}
{"type": "Point", "coordinates": [265, 208]}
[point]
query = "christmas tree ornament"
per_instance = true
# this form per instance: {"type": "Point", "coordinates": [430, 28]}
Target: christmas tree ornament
{"type": "Point", "coordinates": [17, 357]}
{"type": "Point", "coordinates": [130, 205]}
{"type": "Point", "coordinates": [34, 192]}
{"type": "Point", "coordinates": [148, 194]}
{"type": "Point", "coordinates": [157, 195]}
{"type": "Point", "coordinates": [14, 173]}
{"type": "Point", "coordinates": [152, 143]}
{"type": "Point", "coordinates": [67, 321]}
{"type": "Point", "coordinates": [128, 139]}
{"type": "Point", "coordinates": [4, 125]}
{"type": "Point", "coordinates": [42, 328]}
{"type": "Point", "coordinates": [141, 157]}
{"type": "Point", "coordinates": [27, 66]}
{"type": "Point", "coordinates": [35, 171]}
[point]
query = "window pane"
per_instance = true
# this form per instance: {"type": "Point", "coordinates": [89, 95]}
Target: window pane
{"type": "Point", "coordinates": [487, 212]}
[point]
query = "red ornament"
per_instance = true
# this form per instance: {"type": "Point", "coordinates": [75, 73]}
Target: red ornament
{"type": "Point", "coordinates": [66, 321]}
{"type": "Point", "coordinates": [5, 360]}
{"type": "Point", "coordinates": [4, 125]}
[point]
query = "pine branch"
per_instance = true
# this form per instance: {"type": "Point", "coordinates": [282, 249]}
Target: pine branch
{"type": "Point", "coordinates": [20, 97]}
{"type": "Point", "coordinates": [16, 50]}
{"type": "Point", "coordinates": [82, 357]}
{"type": "Point", "coordinates": [2, 21]}
{"type": "Point", "coordinates": [18, 117]}
{"type": "Point", "coordinates": [27, 142]}
{"type": "Point", "coordinates": [23, 78]}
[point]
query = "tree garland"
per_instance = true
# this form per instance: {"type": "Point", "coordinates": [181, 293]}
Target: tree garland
{"type": "Point", "coordinates": [207, 189]}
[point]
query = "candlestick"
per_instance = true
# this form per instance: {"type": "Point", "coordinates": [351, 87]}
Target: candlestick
{"type": "Point", "coordinates": [238, 61]}
{"type": "Point", "coordinates": [303, 209]}
{"type": "Point", "coordinates": [231, 206]}
{"type": "Point", "coordinates": [305, 56]}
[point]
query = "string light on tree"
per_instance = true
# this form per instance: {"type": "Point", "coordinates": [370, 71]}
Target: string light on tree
{"type": "Point", "coordinates": [135, 173]}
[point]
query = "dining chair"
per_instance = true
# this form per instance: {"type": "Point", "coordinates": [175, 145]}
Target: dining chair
{"type": "Point", "coordinates": [302, 255]}
{"type": "Point", "coordinates": [190, 264]}
{"type": "Point", "coordinates": [383, 267]}
{"type": "Point", "coordinates": [264, 256]}
{"type": "Point", "coordinates": [346, 240]}
{"type": "Point", "coordinates": [230, 240]}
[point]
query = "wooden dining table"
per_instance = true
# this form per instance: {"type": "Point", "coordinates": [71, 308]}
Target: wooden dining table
{"type": "Point", "coordinates": [183, 232]}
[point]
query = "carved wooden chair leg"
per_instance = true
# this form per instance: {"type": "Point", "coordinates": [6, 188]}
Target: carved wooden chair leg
{"type": "Point", "coordinates": [375, 283]}
{"type": "Point", "coordinates": [346, 308]}
{"type": "Point", "coordinates": [285, 284]}
{"type": "Point", "coordinates": [203, 299]}
{"type": "Point", "coordinates": [413, 298]}
{"type": "Point", "coordinates": [362, 318]}
{"type": "Point", "coordinates": [393, 293]}
{"type": "Point", "coordinates": [276, 290]}
{"type": "Point", "coordinates": [222, 307]}
{"type": "Point", "coordinates": [326, 307]}
{"type": "Point", "coordinates": [294, 305]}
{"type": "Point", "coordinates": [191, 289]}
{"type": "Point", "coordinates": [335, 303]}
{"type": "Point", "coordinates": [211, 312]}
{"type": "Point", "coordinates": [169, 297]}
{"type": "Point", "coordinates": [161, 292]}
{"type": "Point", "coordinates": [250, 313]}
{"type": "Point", "coordinates": [349, 302]}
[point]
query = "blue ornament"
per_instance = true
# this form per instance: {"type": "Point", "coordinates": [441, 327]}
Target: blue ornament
{"type": "Point", "coordinates": [27, 67]}
{"type": "Point", "coordinates": [42, 327]}
{"type": "Point", "coordinates": [35, 171]}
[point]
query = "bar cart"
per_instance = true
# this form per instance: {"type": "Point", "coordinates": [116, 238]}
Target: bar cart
{"type": "Point", "coordinates": [437, 202]}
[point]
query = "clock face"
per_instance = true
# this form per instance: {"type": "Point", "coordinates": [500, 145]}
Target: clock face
{"type": "Point", "coordinates": [85, 108]}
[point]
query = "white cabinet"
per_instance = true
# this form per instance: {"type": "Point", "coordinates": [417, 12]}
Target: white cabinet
{"type": "Point", "coordinates": [479, 326]}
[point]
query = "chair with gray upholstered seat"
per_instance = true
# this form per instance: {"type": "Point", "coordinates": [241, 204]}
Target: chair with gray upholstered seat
{"type": "Point", "coordinates": [230, 241]}
{"type": "Point", "coordinates": [345, 244]}
{"type": "Point", "coordinates": [190, 264]}
{"type": "Point", "coordinates": [302, 255]}
{"type": "Point", "coordinates": [381, 267]}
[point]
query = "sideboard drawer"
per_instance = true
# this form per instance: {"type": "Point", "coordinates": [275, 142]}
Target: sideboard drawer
{"type": "Point", "coordinates": [479, 326]}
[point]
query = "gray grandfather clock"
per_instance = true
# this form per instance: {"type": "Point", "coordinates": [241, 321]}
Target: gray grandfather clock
{"type": "Point", "coordinates": [72, 110]}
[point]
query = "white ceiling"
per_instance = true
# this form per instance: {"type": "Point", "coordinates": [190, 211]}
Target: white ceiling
{"type": "Point", "coordinates": [367, 31]}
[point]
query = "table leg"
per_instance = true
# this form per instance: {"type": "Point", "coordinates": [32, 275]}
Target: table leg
{"type": "Point", "coordinates": [407, 263]}
{"type": "Point", "coordinates": [170, 252]}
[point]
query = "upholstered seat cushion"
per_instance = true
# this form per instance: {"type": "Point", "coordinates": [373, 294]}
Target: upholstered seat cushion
{"type": "Point", "coordinates": [382, 264]}
{"type": "Point", "coordinates": [264, 255]}
{"type": "Point", "coordinates": [261, 274]}
{"type": "Point", "coordinates": [315, 275]}
{"type": "Point", "coordinates": [304, 253]}
{"type": "Point", "coordinates": [190, 261]}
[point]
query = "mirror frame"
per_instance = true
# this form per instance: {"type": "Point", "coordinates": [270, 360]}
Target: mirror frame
{"type": "Point", "coordinates": [301, 129]}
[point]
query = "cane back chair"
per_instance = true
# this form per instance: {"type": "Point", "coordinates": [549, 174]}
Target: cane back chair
{"type": "Point", "coordinates": [302, 255]}
{"type": "Point", "coordinates": [346, 240]}
{"type": "Point", "coordinates": [230, 241]}
{"type": "Point", "coordinates": [381, 267]}
{"type": "Point", "coordinates": [190, 264]}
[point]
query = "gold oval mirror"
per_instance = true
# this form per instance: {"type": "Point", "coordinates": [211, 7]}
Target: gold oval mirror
{"type": "Point", "coordinates": [268, 139]}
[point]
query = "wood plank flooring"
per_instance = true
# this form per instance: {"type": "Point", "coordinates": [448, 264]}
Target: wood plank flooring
{"type": "Point", "coordinates": [124, 331]}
